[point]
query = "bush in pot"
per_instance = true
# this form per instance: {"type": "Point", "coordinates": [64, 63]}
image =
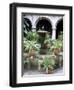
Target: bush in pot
{"type": "Point", "coordinates": [56, 47]}
{"type": "Point", "coordinates": [49, 64]}
{"type": "Point", "coordinates": [32, 36]}
{"type": "Point", "coordinates": [31, 47]}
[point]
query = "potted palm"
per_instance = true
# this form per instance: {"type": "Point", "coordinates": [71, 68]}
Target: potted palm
{"type": "Point", "coordinates": [31, 47]}
{"type": "Point", "coordinates": [57, 45]}
{"type": "Point", "coordinates": [56, 49]}
{"type": "Point", "coordinates": [32, 36]}
{"type": "Point", "coordinates": [31, 44]}
{"type": "Point", "coordinates": [49, 64]}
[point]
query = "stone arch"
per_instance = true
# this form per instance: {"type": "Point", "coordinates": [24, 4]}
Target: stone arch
{"type": "Point", "coordinates": [59, 27]}
{"type": "Point", "coordinates": [27, 25]}
{"type": "Point", "coordinates": [44, 23]}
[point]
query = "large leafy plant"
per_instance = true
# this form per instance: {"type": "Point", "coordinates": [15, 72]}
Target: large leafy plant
{"type": "Point", "coordinates": [30, 45]}
{"type": "Point", "coordinates": [57, 44]}
{"type": "Point", "coordinates": [31, 41]}
{"type": "Point", "coordinates": [57, 47]}
{"type": "Point", "coordinates": [32, 36]}
{"type": "Point", "coordinates": [48, 63]}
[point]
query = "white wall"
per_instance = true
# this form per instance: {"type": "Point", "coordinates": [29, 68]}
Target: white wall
{"type": "Point", "coordinates": [4, 43]}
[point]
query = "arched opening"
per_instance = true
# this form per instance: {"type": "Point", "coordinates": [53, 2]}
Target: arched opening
{"type": "Point", "coordinates": [59, 28]}
{"type": "Point", "coordinates": [44, 24]}
{"type": "Point", "coordinates": [27, 26]}
{"type": "Point", "coordinates": [44, 29]}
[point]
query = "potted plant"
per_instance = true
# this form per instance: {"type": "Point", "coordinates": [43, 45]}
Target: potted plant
{"type": "Point", "coordinates": [32, 36]}
{"type": "Point", "coordinates": [49, 64]}
{"type": "Point", "coordinates": [56, 47]}
{"type": "Point", "coordinates": [31, 47]}
{"type": "Point", "coordinates": [30, 42]}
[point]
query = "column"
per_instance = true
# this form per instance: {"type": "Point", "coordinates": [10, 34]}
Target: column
{"type": "Point", "coordinates": [54, 21]}
{"type": "Point", "coordinates": [53, 33]}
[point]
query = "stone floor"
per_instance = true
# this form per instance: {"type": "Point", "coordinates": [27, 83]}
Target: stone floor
{"type": "Point", "coordinates": [42, 73]}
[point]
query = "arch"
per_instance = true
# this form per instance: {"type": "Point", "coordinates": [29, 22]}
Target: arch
{"type": "Point", "coordinates": [44, 23]}
{"type": "Point", "coordinates": [27, 25]}
{"type": "Point", "coordinates": [59, 28]}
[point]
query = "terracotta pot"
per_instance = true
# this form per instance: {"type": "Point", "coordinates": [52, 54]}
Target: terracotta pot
{"type": "Point", "coordinates": [50, 71]}
{"type": "Point", "coordinates": [46, 46]}
{"type": "Point", "coordinates": [31, 53]}
{"type": "Point", "coordinates": [56, 51]}
{"type": "Point", "coordinates": [61, 49]}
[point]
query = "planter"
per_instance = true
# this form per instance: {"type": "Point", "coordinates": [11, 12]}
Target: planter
{"type": "Point", "coordinates": [49, 71]}
{"type": "Point", "coordinates": [61, 49]}
{"type": "Point", "coordinates": [56, 51]}
{"type": "Point", "coordinates": [31, 53]}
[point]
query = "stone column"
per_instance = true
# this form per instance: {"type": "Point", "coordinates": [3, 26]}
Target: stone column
{"type": "Point", "coordinates": [54, 21]}
{"type": "Point", "coordinates": [54, 33]}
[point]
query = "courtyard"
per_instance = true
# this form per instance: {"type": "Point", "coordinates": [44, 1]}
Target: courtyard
{"type": "Point", "coordinates": [42, 45]}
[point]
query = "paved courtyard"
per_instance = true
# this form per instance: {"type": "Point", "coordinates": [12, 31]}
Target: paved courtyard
{"type": "Point", "coordinates": [42, 73]}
